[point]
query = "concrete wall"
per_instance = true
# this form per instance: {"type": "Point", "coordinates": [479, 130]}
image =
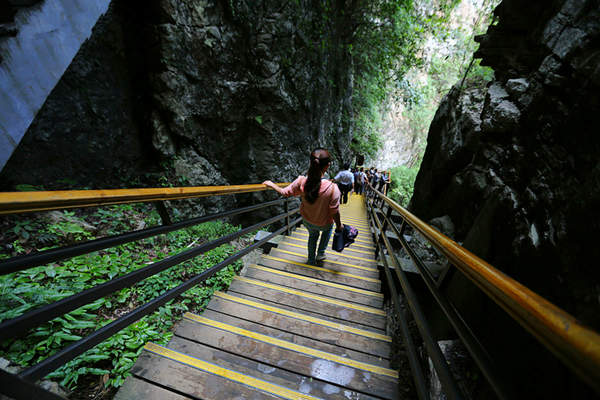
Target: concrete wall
{"type": "Point", "coordinates": [49, 35]}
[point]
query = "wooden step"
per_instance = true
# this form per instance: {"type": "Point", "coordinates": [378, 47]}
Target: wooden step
{"type": "Point", "coordinates": [199, 379]}
{"type": "Point", "coordinates": [302, 324]}
{"type": "Point", "coordinates": [344, 310]}
{"type": "Point", "coordinates": [364, 237]}
{"type": "Point", "coordinates": [362, 223]}
{"type": "Point", "coordinates": [135, 388]}
{"type": "Point", "coordinates": [331, 275]}
{"type": "Point", "coordinates": [331, 368]}
{"type": "Point", "coordinates": [352, 266]}
{"type": "Point", "coordinates": [331, 255]}
{"type": "Point", "coordinates": [316, 286]}
{"type": "Point", "coordinates": [264, 372]}
{"type": "Point", "coordinates": [355, 245]}
{"type": "Point", "coordinates": [310, 313]}
{"type": "Point", "coordinates": [354, 250]}
{"type": "Point", "coordinates": [291, 337]}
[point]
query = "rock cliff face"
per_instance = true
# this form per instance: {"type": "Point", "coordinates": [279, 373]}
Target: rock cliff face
{"type": "Point", "coordinates": [516, 166]}
{"type": "Point", "coordinates": [219, 92]}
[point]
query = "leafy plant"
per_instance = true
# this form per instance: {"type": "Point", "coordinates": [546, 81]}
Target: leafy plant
{"type": "Point", "coordinates": [424, 86]}
{"type": "Point", "coordinates": [112, 359]}
{"type": "Point", "coordinates": [26, 187]}
{"type": "Point", "coordinates": [403, 181]}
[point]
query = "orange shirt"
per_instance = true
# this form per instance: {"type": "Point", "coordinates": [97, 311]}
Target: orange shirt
{"type": "Point", "coordinates": [320, 212]}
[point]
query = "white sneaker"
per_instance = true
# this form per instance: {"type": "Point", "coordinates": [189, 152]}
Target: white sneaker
{"type": "Point", "coordinates": [321, 258]}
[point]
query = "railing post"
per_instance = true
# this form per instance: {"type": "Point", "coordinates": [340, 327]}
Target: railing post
{"type": "Point", "coordinates": [287, 219]}
{"type": "Point", "coordinates": [163, 212]}
{"type": "Point", "coordinates": [18, 388]}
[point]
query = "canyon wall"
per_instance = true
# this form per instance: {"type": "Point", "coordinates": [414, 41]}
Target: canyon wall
{"type": "Point", "coordinates": [195, 92]}
{"type": "Point", "coordinates": [516, 167]}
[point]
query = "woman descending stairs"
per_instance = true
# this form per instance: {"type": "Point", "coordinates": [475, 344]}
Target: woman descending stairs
{"type": "Point", "coordinates": [284, 329]}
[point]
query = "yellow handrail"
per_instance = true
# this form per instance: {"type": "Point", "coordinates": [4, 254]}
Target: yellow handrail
{"type": "Point", "coordinates": [576, 345]}
{"type": "Point", "coordinates": [20, 202]}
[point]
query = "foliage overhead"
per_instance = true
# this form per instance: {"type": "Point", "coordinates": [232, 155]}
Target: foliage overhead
{"type": "Point", "coordinates": [449, 61]}
{"type": "Point", "coordinates": [356, 49]}
{"type": "Point", "coordinates": [385, 42]}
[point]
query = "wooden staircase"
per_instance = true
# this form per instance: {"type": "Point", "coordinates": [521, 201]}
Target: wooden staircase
{"type": "Point", "coordinates": [284, 329]}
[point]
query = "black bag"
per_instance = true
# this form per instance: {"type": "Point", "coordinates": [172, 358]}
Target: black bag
{"type": "Point", "coordinates": [344, 238]}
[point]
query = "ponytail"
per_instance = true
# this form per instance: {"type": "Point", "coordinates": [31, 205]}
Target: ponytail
{"type": "Point", "coordinates": [319, 160]}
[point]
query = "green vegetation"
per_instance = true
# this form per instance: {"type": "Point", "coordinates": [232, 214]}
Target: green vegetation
{"type": "Point", "coordinates": [359, 49]}
{"type": "Point", "coordinates": [384, 44]}
{"type": "Point", "coordinates": [450, 62]}
{"type": "Point", "coordinates": [112, 359]}
{"type": "Point", "coordinates": [403, 182]}
{"type": "Point", "coordinates": [422, 88]}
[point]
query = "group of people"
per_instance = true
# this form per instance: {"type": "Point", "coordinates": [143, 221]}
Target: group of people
{"type": "Point", "coordinates": [355, 179]}
{"type": "Point", "coordinates": [321, 198]}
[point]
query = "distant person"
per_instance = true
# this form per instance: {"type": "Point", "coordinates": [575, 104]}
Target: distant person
{"type": "Point", "coordinates": [384, 182]}
{"type": "Point", "coordinates": [320, 203]}
{"type": "Point", "coordinates": [375, 178]}
{"type": "Point", "coordinates": [357, 181]}
{"type": "Point", "coordinates": [345, 181]}
{"type": "Point", "coordinates": [363, 180]}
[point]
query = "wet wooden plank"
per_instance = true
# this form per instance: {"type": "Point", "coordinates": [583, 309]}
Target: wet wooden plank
{"type": "Point", "coordinates": [344, 336]}
{"type": "Point", "coordinates": [320, 304]}
{"type": "Point", "coordinates": [266, 372]}
{"type": "Point", "coordinates": [192, 381]}
{"type": "Point", "coordinates": [337, 275]}
{"type": "Point", "coordinates": [311, 285]}
{"type": "Point", "coordinates": [317, 367]}
{"type": "Point", "coordinates": [291, 337]}
{"type": "Point", "coordinates": [307, 312]}
{"type": "Point", "coordinates": [134, 388]}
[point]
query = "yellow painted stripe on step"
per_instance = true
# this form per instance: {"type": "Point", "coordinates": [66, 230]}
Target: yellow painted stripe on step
{"type": "Point", "coordinates": [319, 281]}
{"type": "Point", "coordinates": [307, 295]}
{"type": "Point", "coordinates": [227, 373]}
{"type": "Point", "coordinates": [322, 269]}
{"type": "Point", "coordinates": [334, 253]}
{"type": "Point", "coordinates": [357, 222]}
{"type": "Point", "coordinates": [331, 261]}
{"type": "Point", "coordinates": [306, 241]}
{"type": "Point", "coordinates": [359, 227]}
{"type": "Point", "coordinates": [353, 218]}
{"type": "Point", "coordinates": [293, 346]}
{"type": "Point", "coordinates": [353, 244]}
{"type": "Point", "coordinates": [356, 240]}
{"type": "Point", "coordinates": [304, 317]}
{"type": "Point", "coordinates": [303, 240]}
{"type": "Point", "coordinates": [347, 217]}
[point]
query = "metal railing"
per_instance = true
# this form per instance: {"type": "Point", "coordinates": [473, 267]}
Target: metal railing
{"type": "Point", "coordinates": [577, 346]}
{"type": "Point", "coordinates": [21, 386]}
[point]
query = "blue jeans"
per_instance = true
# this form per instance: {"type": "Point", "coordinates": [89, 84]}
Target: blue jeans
{"type": "Point", "coordinates": [313, 235]}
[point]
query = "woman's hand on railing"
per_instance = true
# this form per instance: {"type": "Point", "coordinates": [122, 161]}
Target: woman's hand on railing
{"type": "Point", "coordinates": [273, 186]}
